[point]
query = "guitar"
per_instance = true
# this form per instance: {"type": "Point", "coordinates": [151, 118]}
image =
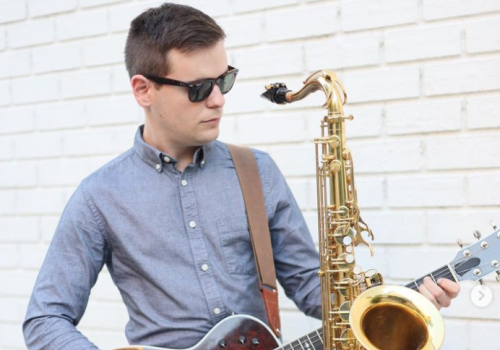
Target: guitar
{"type": "Point", "coordinates": [243, 332]}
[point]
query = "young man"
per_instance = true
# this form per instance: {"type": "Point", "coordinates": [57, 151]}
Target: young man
{"type": "Point", "coordinates": [167, 217]}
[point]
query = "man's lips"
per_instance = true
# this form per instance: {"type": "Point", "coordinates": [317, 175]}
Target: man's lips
{"type": "Point", "coordinates": [211, 120]}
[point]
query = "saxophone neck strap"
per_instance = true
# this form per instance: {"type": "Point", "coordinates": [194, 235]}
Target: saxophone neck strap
{"type": "Point", "coordinates": [251, 187]}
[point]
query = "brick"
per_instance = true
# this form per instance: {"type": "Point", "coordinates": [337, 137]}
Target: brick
{"type": "Point", "coordinates": [18, 174]}
{"type": "Point", "coordinates": [121, 17]}
{"type": "Point", "coordinates": [19, 229]}
{"type": "Point", "coordinates": [426, 191]}
{"type": "Point", "coordinates": [91, 3]}
{"type": "Point", "coordinates": [113, 111]}
{"type": "Point", "coordinates": [12, 10]}
{"type": "Point", "coordinates": [386, 84]}
{"type": "Point", "coordinates": [105, 289]}
{"type": "Point", "coordinates": [248, 6]}
{"type": "Point", "coordinates": [463, 307]}
{"type": "Point", "coordinates": [462, 77]}
{"type": "Point", "coordinates": [211, 8]}
{"type": "Point", "coordinates": [57, 58]}
{"type": "Point", "coordinates": [38, 145]}
{"type": "Point", "coordinates": [9, 256]}
{"type": "Point", "coordinates": [245, 98]}
{"type": "Point", "coordinates": [446, 226]}
{"type": "Point", "coordinates": [11, 336]}
{"type": "Point", "coordinates": [371, 157]}
{"type": "Point", "coordinates": [484, 189]}
{"type": "Point", "coordinates": [6, 148]}
{"type": "Point", "coordinates": [86, 83]}
{"type": "Point", "coordinates": [483, 36]}
{"type": "Point", "coordinates": [387, 226]}
{"type": "Point", "coordinates": [77, 25]}
{"type": "Point", "coordinates": [294, 323]}
{"type": "Point", "coordinates": [484, 335]}
{"type": "Point", "coordinates": [17, 283]}
{"type": "Point", "coordinates": [460, 331]}
{"type": "Point", "coordinates": [40, 201]}
{"type": "Point", "coordinates": [304, 192]}
{"type": "Point", "coordinates": [242, 30]}
{"type": "Point", "coordinates": [120, 81]}
{"type": "Point", "coordinates": [367, 14]}
{"type": "Point", "coordinates": [31, 33]}
{"type": "Point", "coordinates": [269, 61]}
{"type": "Point", "coordinates": [370, 192]}
{"type": "Point", "coordinates": [105, 315]}
{"type": "Point", "coordinates": [437, 9]}
{"type": "Point", "coordinates": [15, 64]}
{"type": "Point", "coordinates": [79, 143]}
{"type": "Point", "coordinates": [3, 39]}
{"type": "Point", "coordinates": [38, 89]}
{"type": "Point", "coordinates": [227, 130]}
{"type": "Point", "coordinates": [315, 20]}
{"type": "Point", "coordinates": [8, 202]}
{"type": "Point", "coordinates": [294, 160]}
{"type": "Point", "coordinates": [477, 151]}
{"type": "Point", "coordinates": [50, 7]}
{"type": "Point", "coordinates": [367, 121]}
{"type": "Point", "coordinates": [424, 117]}
{"type": "Point", "coordinates": [48, 225]}
{"type": "Point", "coordinates": [104, 50]}
{"type": "Point", "coordinates": [258, 129]}
{"type": "Point", "coordinates": [483, 112]}
{"type": "Point", "coordinates": [12, 310]}
{"type": "Point", "coordinates": [65, 115]}
{"type": "Point", "coordinates": [311, 218]}
{"type": "Point", "coordinates": [379, 261]}
{"type": "Point", "coordinates": [5, 94]}
{"type": "Point", "coordinates": [421, 43]}
{"type": "Point", "coordinates": [63, 172]}
{"type": "Point", "coordinates": [413, 263]}
{"type": "Point", "coordinates": [16, 120]}
{"type": "Point", "coordinates": [32, 255]}
{"type": "Point", "coordinates": [343, 52]}
{"type": "Point", "coordinates": [123, 139]}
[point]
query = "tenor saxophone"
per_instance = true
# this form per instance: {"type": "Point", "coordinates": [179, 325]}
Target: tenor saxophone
{"type": "Point", "coordinates": [358, 310]}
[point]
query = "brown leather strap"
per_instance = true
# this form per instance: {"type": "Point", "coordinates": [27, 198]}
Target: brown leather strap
{"type": "Point", "coordinates": [248, 175]}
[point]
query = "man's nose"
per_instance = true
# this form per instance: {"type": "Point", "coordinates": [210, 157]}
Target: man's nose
{"type": "Point", "coordinates": [216, 98]}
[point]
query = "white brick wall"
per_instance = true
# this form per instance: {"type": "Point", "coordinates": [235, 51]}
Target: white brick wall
{"type": "Point", "coordinates": [423, 81]}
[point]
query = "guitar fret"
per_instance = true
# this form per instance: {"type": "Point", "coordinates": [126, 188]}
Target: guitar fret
{"type": "Point", "coordinates": [320, 336]}
{"type": "Point", "coordinates": [310, 342]}
{"type": "Point", "coordinates": [432, 277]}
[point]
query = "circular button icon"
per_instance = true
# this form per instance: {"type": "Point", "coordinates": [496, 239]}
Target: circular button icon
{"type": "Point", "coordinates": [481, 295]}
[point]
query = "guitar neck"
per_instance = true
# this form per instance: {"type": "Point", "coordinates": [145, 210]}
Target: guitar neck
{"type": "Point", "coordinates": [442, 272]}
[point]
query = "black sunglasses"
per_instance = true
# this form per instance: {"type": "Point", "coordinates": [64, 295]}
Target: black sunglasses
{"type": "Point", "coordinates": [199, 90]}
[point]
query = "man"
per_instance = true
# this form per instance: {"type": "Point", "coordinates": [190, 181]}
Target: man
{"type": "Point", "coordinates": [167, 217]}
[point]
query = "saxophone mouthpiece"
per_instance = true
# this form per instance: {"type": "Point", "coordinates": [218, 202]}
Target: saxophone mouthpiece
{"type": "Point", "coordinates": [276, 93]}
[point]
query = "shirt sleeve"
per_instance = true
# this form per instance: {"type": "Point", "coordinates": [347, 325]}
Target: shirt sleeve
{"type": "Point", "coordinates": [75, 257]}
{"type": "Point", "coordinates": [295, 255]}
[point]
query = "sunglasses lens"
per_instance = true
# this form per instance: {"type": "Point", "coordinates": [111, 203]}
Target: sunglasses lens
{"type": "Point", "coordinates": [201, 91]}
{"type": "Point", "coordinates": [226, 82]}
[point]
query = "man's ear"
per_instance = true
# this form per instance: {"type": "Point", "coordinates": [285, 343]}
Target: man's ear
{"type": "Point", "coordinates": [143, 90]}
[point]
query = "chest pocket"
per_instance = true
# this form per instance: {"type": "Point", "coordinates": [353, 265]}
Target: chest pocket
{"type": "Point", "coordinates": [236, 245]}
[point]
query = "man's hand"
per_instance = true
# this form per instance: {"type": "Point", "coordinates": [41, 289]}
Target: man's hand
{"type": "Point", "coordinates": [439, 294]}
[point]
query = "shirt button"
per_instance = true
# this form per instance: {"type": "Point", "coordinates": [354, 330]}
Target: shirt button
{"type": "Point", "coordinates": [158, 167]}
{"type": "Point", "coordinates": [202, 162]}
{"type": "Point", "coordinates": [192, 224]}
{"type": "Point", "coordinates": [204, 267]}
{"type": "Point", "coordinates": [166, 159]}
{"type": "Point", "coordinates": [184, 182]}
{"type": "Point", "coordinates": [216, 311]}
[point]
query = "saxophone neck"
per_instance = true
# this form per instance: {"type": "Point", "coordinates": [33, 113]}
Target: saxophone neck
{"type": "Point", "coordinates": [324, 80]}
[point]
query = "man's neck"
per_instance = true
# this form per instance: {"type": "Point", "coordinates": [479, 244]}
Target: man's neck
{"type": "Point", "coordinates": [183, 154]}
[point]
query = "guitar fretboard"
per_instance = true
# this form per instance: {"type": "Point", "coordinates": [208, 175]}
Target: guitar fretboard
{"type": "Point", "coordinates": [442, 272]}
{"type": "Point", "coordinates": [311, 341]}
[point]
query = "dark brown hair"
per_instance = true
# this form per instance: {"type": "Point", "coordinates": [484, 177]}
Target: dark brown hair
{"type": "Point", "coordinates": [170, 26]}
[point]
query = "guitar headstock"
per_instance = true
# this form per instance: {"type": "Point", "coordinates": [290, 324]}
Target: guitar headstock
{"type": "Point", "coordinates": [478, 259]}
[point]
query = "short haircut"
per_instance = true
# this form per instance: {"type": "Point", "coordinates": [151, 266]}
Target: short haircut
{"type": "Point", "coordinates": [158, 30]}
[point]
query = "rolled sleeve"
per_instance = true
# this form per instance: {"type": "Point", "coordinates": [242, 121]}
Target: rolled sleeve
{"type": "Point", "coordinates": [75, 257]}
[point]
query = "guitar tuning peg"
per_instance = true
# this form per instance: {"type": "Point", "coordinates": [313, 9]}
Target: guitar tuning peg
{"type": "Point", "coordinates": [493, 224]}
{"type": "Point", "coordinates": [480, 281]}
{"type": "Point", "coordinates": [498, 276]}
{"type": "Point", "coordinates": [459, 242]}
{"type": "Point", "coordinates": [477, 234]}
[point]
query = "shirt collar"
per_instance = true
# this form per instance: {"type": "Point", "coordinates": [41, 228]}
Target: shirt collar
{"type": "Point", "coordinates": [158, 159]}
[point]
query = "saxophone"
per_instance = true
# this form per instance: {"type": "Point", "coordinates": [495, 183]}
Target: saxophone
{"type": "Point", "coordinates": [358, 310]}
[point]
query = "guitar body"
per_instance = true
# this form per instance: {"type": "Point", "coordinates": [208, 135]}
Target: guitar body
{"type": "Point", "coordinates": [237, 332]}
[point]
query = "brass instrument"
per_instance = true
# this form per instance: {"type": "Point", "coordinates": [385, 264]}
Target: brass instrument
{"type": "Point", "coordinates": [359, 312]}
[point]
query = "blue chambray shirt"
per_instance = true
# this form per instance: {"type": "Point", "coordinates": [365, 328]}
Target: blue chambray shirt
{"type": "Point", "coordinates": [177, 247]}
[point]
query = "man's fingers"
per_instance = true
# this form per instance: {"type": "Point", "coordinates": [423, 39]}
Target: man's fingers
{"type": "Point", "coordinates": [451, 288]}
{"type": "Point", "coordinates": [426, 293]}
{"type": "Point", "coordinates": [442, 298]}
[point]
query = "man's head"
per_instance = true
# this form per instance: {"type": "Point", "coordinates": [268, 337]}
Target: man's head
{"type": "Point", "coordinates": [180, 43]}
